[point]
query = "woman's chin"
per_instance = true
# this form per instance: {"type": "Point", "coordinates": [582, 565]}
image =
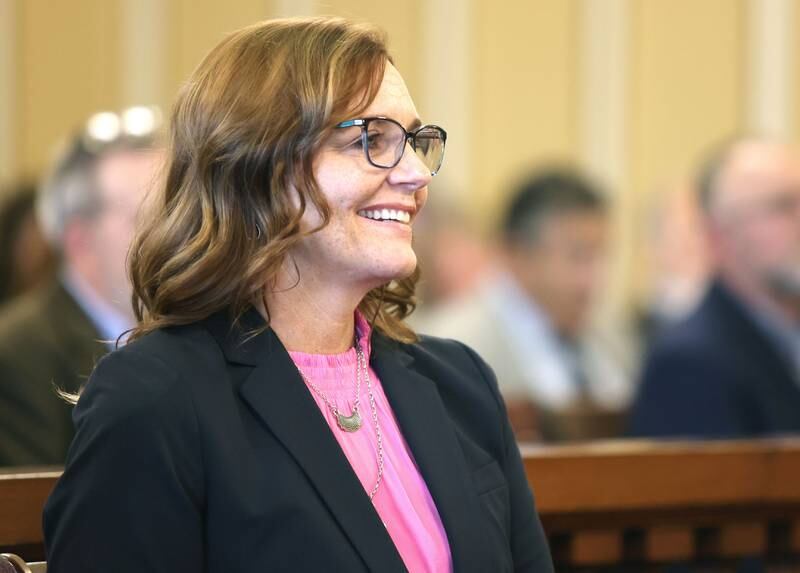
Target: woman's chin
{"type": "Point", "coordinates": [394, 272]}
{"type": "Point", "coordinates": [407, 268]}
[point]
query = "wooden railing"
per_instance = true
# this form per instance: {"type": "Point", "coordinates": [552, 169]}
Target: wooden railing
{"type": "Point", "coordinates": [642, 503]}
{"type": "Point", "coordinates": [621, 505]}
{"type": "Point", "coordinates": [22, 496]}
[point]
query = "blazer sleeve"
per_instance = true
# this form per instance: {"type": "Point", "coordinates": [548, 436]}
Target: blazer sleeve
{"type": "Point", "coordinates": [130, 498]}
{"type": "Point", "coordinates": [529, 547]}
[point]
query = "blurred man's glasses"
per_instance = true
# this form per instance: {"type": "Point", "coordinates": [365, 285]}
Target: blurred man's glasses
{"type": "Point", "coordinates": [784, 203]}
{"type": "Point", "coordinates": [107, 127]}
{"type": "Point", "coordinates": [384, 142]}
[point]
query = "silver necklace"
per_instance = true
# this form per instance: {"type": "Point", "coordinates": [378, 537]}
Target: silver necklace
{"type": "Point", "coordinates": [352, 422]}
{"type": "Point", "coordinates": [378, 435]}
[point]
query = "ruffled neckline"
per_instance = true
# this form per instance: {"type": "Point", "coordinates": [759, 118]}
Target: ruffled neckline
{"type": "Point", "coordinates": [312, 362]}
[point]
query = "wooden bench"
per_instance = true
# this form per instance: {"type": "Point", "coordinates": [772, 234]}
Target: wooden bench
{"type": "Point", "coordinates": [640, 503]}
{"type": "Point", "coordinates": [613, 504]}
{"type": "Point", "coordinates": [22, 496]}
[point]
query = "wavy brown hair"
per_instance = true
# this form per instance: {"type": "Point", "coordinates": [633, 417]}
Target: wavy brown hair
{"type": "Point", "coordinates": [247, 124]}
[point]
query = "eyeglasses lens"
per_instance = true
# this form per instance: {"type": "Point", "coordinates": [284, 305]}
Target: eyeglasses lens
{"type": "Point", "coordinates": [429, 146]}
{"type": "Point", "coordinates": [386, 142]}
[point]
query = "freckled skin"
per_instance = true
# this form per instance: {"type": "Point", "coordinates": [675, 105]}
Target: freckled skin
{"type": "Point", "coordinates": [351, 249]}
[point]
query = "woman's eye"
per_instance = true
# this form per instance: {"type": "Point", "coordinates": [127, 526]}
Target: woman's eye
{"type": "Point", "coordinates": [374, 139]}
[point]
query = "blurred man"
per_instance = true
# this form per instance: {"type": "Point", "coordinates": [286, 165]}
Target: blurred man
{"type": "Point", "coordinates": [732, 369]}
{"type": "Point", "coordinates": [529, 319]}
{"type": "Point", "coordinates": [453, 257]}
{"type": "Point", "coordinates": [51, 339]}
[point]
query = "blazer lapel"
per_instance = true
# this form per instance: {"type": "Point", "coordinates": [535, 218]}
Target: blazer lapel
{"type": "Point", "coordinates": [424, 423]}
{"type": "Point", "coordinates": [277, 394]}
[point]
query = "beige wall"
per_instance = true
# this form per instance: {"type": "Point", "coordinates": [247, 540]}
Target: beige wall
{"type": "Point", "coordinates": [686, 93]}
{"type": "Point", "coordinates": [521, 95]}
{"type": "Point", "coordinates": [196, 26]}
{"type": "Point", "coordinates": [401, 20]}
{"type": "Point", "coordinates": [67, 67]}
{"type": "Point", "coordinates": [796, 65]}
{"type": "Point", "coordinates": [524, 81]}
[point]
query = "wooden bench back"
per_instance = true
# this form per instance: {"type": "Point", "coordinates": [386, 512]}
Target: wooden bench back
{"type": "Point", "coordinates": [602, 504]}
{"type": "Point", "coordinates": [641, 502]}
{"type": "Point", "coordinates": [22, 497]}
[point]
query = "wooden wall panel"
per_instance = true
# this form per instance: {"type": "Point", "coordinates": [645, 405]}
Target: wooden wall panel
{"type": "Point", "coordinates": [686, 94]}
{"type": "Point", "coordinates": [400, 20]}
{"type": "Point", "coordinates": [525, 78]}
{"type": "Point", "coordinates": [196, 26]}
{"type": "Point", "coordinates": [796, 71]}
{"type": "Point", "coordinates": [67, 69]}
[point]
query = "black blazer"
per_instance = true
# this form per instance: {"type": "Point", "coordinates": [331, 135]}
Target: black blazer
{"type": "Point", "coordinates": [716, 375]}
{"type": "Point", "coordinates": [199, 450]}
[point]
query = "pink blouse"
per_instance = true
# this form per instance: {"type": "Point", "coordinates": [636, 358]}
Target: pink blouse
{"type": "Point", "coordinates": [403, 501]}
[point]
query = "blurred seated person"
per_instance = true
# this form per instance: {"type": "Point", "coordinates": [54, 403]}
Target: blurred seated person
{"type": "Point", "coordinates": [51, 338]}
{"type": "Point", "coordinates": [529, 318]}
{"type": "Point", "coordinates": [454, 256]}
{"type": "Point", "coordinates": [732, 368]}
{"type": "Point", "coordinates": [26, 259]}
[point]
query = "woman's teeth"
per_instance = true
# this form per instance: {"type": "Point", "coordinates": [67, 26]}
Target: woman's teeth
{"type": "Point", "coordinates": [386, 215]}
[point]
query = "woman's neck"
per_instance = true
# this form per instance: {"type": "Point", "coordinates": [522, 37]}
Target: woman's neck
{"type": "Point", "coordinates": [311, 317]}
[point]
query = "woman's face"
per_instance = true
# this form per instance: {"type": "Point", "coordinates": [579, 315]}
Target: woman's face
{"type": "Point", "coordinates": [355, 249]}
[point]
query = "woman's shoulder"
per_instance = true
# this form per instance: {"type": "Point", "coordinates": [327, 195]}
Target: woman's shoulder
{"type": "Point", "coordinates": [457, 369]}
{"type": "Point", "coordinates": [175, 346]}
{"type": "Point", "coordinates": [451, 352]}
{"type": "Point", "coordinates": [467, 388]}
{"type": "Point", "coordinates": [147, 371]}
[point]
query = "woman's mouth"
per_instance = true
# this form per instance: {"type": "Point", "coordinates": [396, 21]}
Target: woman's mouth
{"type": "Point", "coordinates": [396, 215]}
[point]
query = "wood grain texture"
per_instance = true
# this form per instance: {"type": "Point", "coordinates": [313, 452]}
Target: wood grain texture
{"type": "Point", "coordinates": [22, 497]}
{"type": "Point", "coordinates": [669, 543]}
{"type": "Point", "coordinates": [596, 547]}
{"type": "Point", "coordinates": [635, 475]}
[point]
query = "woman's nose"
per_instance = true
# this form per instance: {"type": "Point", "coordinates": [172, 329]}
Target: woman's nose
{"type": "Point", "coordinates": [411, 171]}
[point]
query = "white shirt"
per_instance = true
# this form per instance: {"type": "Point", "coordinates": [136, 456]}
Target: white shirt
{"type": "Point", "coordinates": [108, 321]}
{"type": "Point", "coordinates": [514, 335]}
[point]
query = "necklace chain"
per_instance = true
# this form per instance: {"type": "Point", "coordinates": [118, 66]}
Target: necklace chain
{"type": "Point", "coordinates": [349, 423]}
{"type": "Point", "coordinates": [353, 422]}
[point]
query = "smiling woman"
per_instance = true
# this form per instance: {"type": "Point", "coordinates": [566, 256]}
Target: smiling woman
{"type": "Point", "coordinates": [273, 411]}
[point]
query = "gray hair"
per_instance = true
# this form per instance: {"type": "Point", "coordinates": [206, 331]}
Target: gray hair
{"type": "Point", "coordinates": [69, 190]}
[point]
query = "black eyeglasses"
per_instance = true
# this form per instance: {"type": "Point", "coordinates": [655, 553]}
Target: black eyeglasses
{"type": "Point", "coordinates": [384, 142]}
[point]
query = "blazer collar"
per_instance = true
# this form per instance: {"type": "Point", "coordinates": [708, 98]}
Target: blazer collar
{"type": "Point", "coordinates": [276, 393]}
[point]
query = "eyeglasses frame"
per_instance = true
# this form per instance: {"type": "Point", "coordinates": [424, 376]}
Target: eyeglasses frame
{"type": "Point", "coordinates": [410, 136]}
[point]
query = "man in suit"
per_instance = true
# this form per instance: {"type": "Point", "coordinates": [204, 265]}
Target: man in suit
{"type": "Point", "coordinates": [51, 339]}
{"type": "Point", "coordinates": [732, 368]}
{"type": "Point", "coordinates": [561, 377]}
